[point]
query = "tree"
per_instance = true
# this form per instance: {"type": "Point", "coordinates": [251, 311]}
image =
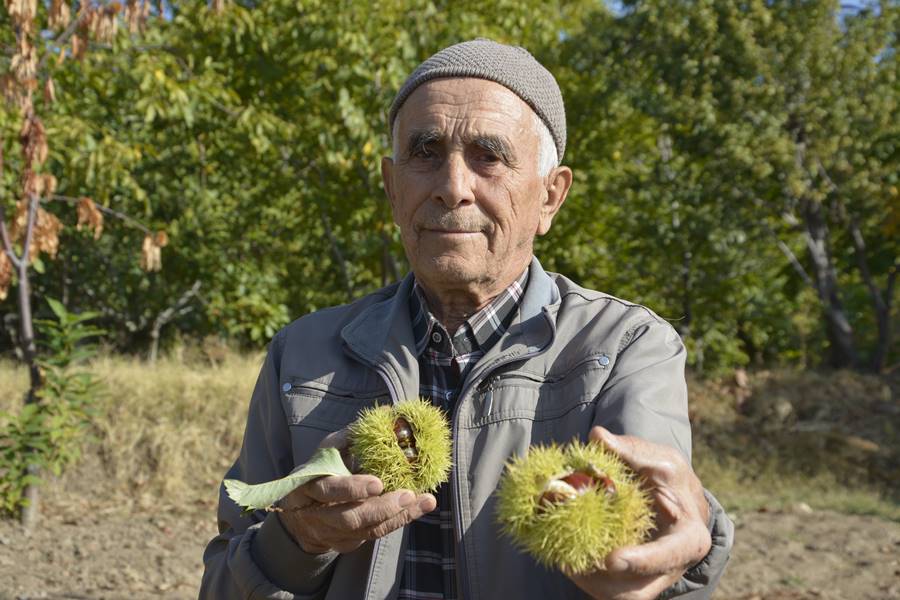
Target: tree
{"type": "Point", "coordinates": [255, 140]}
{"type": "Point", "coordinates": [34, 230]}
{"type": "Point", "coordinates": [739, 117]}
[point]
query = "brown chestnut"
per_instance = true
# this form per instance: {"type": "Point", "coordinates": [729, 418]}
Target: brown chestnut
{"type": "Point", "coordinates": [565, 487]}
{"type": "Point", "coordinates": [405, 439]}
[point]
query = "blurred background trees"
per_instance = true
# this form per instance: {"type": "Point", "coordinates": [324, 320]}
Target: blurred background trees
{"type": "Point", "coordinates": [736, 166]}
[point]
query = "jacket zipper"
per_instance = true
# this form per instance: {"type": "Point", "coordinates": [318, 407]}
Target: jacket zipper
{"type": "Point", "coordinates": [392, 390]}
{"type": "Point", "coordinates": [456, 496]}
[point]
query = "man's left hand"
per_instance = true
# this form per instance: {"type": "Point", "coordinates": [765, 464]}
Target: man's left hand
{"type": "Point", "coordinates": [681, 537]}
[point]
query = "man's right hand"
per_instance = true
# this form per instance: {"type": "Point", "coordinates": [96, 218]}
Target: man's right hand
{"type": "Point", "coordinates": [342, 512]}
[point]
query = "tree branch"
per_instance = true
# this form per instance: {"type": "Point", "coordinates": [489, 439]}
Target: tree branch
{"type": "Point", "coordinates": [33, 203]}
{"type": "Point", "coordinates": [105, 209]}
{"type": "Point", "coordinates": [792, 258]}
{"type": "Point", "coordinates": [61, 40]}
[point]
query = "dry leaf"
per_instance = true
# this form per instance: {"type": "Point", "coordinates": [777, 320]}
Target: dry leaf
{"type": "Point", "coordinates": [46, 234]}
{"type": "Point", "coordinates": [151, 256]}
{"type": "Point", "coordinates": [60, 14]}
{"type": "Point", "coordinates": [33, 184]}
{"type": "Point", "coordinates": [49, 184]}
{"type": "Point", "coordinates": [90, 217]}
{"type": "Point", "coordinates": [22, 9]}
{"type": "Point", "coordinates": [19, 221]}
{"type": "Point", "coordinates": [161, 239]}
{"type": "Point", "coordinates": [33, 138]}
{"type": "Point", "coordinates": [49, 91]}
{"type": "Point", "coordinates": [133, 16]}
{"type": "Point", "coordinates": [6, 274]}
{"type": "Point", "coordinates": [78, 47]}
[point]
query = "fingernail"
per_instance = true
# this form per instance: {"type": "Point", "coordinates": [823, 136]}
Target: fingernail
{"type": "Point", "coordinates": [406, 499]}
{"type": "Point", "coordinates": [374, 488]}
{"type": "Point", "coordinates": [425, 505]}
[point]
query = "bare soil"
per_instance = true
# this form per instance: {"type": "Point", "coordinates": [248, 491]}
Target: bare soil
{"type": "Point", "coordinates": [793, 555]}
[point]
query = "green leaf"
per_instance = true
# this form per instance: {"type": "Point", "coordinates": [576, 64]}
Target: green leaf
{"type": "Point", "coordinates": [58, 309]}
{"type": "Point", "coordinates": [325, 461]}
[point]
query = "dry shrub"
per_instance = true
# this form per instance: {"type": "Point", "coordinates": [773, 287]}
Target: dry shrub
{"type": "Point", "coordinates": [164, 434]}
{"type": "Point", "coordinates": [168, 432]}
{"type": "Point", "coordinates": [831, 439]}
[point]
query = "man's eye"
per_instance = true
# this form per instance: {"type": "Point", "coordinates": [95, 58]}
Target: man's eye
{"type": "Point", "coordinates": [423, 152]}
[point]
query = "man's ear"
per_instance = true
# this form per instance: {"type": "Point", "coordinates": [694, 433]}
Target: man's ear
{"type": "Point", "coordinates": [558, 183]}
{"type": "Point", "coordinates": [387, 177]}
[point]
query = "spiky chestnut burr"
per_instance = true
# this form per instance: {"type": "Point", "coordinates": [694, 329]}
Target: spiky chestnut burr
{"type": "Point", "coordinates": [569, 507]}
{"type": "Point", "coordinates": [406, 445]}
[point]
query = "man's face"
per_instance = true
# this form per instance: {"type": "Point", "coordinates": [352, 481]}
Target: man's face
{"type": "Point", "coordinates": [464, 185]}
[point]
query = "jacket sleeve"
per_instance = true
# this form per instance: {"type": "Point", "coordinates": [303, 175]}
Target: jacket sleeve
{"type": "Point", "coordinates": [253, 556]}
{"type": "Point", "coordinates": [646, 396]}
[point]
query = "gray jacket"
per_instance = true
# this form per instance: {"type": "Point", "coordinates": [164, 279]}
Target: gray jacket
{"type": "Point", "coordinates": [573, 358]}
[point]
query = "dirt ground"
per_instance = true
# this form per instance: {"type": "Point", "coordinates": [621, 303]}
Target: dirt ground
{"type": "Point", "coordinates": [795, 555]}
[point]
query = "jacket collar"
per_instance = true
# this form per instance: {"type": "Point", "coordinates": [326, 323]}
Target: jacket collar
{"type": "Point", "coordinates": [382, 336]}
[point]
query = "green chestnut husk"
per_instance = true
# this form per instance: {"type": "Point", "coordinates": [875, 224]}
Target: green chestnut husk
{"type": "Point", "coordinates": [376, 451]}
{"type": "Point", "coordinates": [572, 534]}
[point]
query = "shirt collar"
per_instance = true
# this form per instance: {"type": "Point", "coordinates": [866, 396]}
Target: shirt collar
{"type": "Point", "coordinates": [480, 331]}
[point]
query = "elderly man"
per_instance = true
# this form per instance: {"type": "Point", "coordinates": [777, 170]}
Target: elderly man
{"type": "Point", "coordinates": [515, 355]}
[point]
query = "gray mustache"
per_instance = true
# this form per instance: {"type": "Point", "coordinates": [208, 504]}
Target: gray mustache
{"type": "Point", "coordinates": [452, 222]}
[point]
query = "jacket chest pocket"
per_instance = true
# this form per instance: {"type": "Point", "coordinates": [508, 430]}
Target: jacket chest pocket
{"type": "Point", "coordinates": [555, 408]}
{"type": "Point", "coordinates": [313, 411]}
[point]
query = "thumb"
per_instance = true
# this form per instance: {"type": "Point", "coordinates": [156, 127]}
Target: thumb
{"type": "Point", "coordinates": [621, 445]}
{"type": "Point", "coordinates": [635, 452]}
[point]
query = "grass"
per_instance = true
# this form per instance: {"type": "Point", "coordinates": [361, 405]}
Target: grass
{"type": "Point", "coordinates": [165, 434]}
{"type": "Point", "coordinates": [831, 441]}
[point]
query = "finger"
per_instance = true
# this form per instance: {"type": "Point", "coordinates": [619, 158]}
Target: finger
{"type": "Point", "coordinates": [640, 455]}
{"type": "Point", "coordinates": [352, 519]}
{"type": "Point", "coordinates": [343, 488]}
{"type": "Point", "coordinates": [424, 504]}
{"type": "Point", "coordinates": [684, 545]}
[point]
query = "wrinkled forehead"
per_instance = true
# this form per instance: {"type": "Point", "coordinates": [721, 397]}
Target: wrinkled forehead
{"type": "Point", "coordinates": [465, 107]}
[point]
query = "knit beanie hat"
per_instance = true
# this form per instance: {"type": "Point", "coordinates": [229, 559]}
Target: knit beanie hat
{"type": "Point", "coordinates": [510, 66]}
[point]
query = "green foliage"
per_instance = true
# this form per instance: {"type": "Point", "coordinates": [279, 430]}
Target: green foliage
{"type": "Point", "coordinates": [706, 138]}
{"type": "Point", "coordinates": [709, 132]}
{"type": "Point", "coordinates": [47, 435]}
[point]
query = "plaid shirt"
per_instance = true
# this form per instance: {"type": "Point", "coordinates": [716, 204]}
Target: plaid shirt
{"type": "Point", "coordinates": [429, 569]}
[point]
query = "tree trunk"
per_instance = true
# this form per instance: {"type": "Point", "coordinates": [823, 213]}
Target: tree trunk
{"type": "Point", "coordinates": [881, 303]}
{"type": "Point", "coordinates": [883, 320]}
{"type": "Point", "coordinates": [154, 342]}
{"type": "Point", "coordinates": [838, 328]}
{"type": "Point", "coordinates": [29, 352]}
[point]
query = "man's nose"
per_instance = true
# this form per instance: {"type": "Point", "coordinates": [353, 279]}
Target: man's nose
{"type": "Point", "coordinates": [456, 182]}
